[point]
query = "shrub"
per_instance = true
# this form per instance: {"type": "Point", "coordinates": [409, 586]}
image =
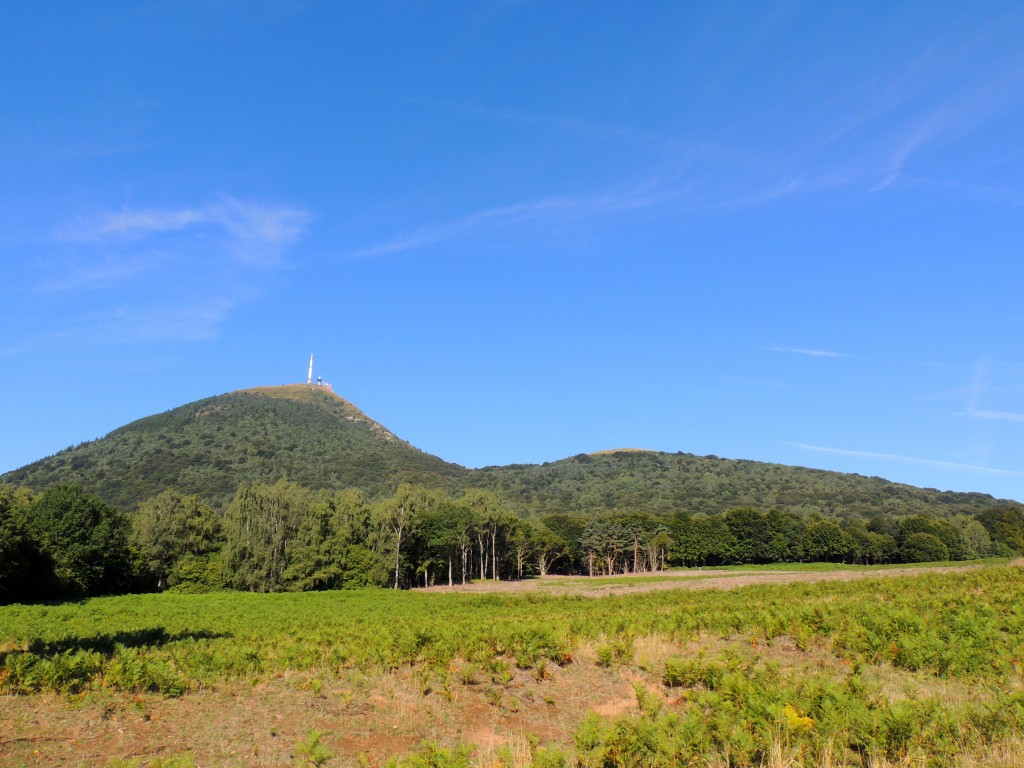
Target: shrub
{"type": "Point", "coordinates": [923, 548]}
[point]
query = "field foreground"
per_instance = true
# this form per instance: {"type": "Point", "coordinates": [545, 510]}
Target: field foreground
{"type": "Point", "coordinates": [919, 668]}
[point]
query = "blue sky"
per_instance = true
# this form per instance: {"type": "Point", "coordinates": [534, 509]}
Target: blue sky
{"type": "Point", "coordinates": [517, 231]}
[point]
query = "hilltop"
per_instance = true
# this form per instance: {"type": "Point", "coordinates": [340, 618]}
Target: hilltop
{"type": "Point", "coordinates": [304, 433]}
{"type": "Point", "coordinates": [655, 482]}
{"type": "Point", "coordinates": [312, 436]}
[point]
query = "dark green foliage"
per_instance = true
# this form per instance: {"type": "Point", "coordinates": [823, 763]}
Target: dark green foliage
{"type": "Point", "coordinates": [260, 526]}
{"type": "Point", "coordinates": [923, 548]}
{"type": "Point", "coordinates": [1005, 527]}
{"type": "Point", "coordinates": [210, 447]}
{"type": "Point", "coordinates": [976, 541]}
{"type": "Point", "coordinates": [940, 529]}
{"type": "Point", "coordinates": [568, 528]}
{"type": "Point", "coordinates": [85, 541]}
{"type": "Point", "coordinates": [869, 548]}
{"type": "Point", "coordinates": [169, 529]}
{"type": "Point", "coordinates": [824, 542]}
{"type": "Point", "coordinates": [701, 540]}
{"type": "Point", "coordinates": [22, 565]}
{"type": "Point", "coordinates": [332, 547]}
{"type": "Point", "coordinates": [319, 441]}
{"type": "Point", "coordinates": [664, 483]}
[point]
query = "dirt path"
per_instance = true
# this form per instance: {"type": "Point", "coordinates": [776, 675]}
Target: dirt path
{"type": "Point", "coordinates": [690, 579]}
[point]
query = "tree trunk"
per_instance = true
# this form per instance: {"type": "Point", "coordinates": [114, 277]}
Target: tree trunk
{"type": "Point", "coordinates": [450, 582]}
{"type": "Point", "coordinates": [398, 552]}
{"type": "Point", "coordinates": [494, 554]}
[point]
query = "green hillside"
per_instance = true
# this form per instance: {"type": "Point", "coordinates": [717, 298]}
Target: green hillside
{"type": "Point", "coordinates": [306, 434]}
{"type": "Point", "coordinates": [314, 438]}
{"type": "Point", "coordinates": [654, 482]}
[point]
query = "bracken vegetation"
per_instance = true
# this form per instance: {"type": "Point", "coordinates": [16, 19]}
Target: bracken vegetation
{"type": "Point", "coordinates": [220, 504]}
{"type": "Point", "coordinates": [924, 670]}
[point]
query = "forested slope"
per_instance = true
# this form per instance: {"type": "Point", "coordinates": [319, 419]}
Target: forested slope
{"type": "Point", "coordinates": [312, 437]}
{"type": "Point", "coordinates": [647, 481]}
{"type": "Point", "coordinates": [208, 448]}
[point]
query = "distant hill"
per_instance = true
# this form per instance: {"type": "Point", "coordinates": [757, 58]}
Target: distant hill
{"type": "Point", "coordinates": [311, 436]}
{"type": "Point", "coordinates": [304, 433]}
{"type": "Point", "coordinates": [656, 482]}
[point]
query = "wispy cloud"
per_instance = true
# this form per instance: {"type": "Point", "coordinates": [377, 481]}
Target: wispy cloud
{"type": "Point", "coordinates": [252, 232]}
{"type": "Point", "coordinates": [896, 458]}
{"type": "Point", "coordinates": [141, 274]}
{"type": "Point", "coordinates": [886, 122]}
{"type": "Point", "coordinates": [978, 387]}
{"type": "Point", "coordinates": [807, 352]}
{"type": "Point", "coordinates": [997, 415]}
{"type": "Point", "coordinates": [107, 270]}
{"type": "Point", "coordinates": [198, 321]}
{"type": "Point", "coordinates": [562, 210]}
{"type": "Point", "coordinates": [141, 223]}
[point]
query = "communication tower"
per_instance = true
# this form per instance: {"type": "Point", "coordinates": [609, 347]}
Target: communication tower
{"type": "Point", "coordinates": [319, 379]}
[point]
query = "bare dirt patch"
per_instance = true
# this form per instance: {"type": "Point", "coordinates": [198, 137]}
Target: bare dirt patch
{"type": "Point", "coordinates": [370, 716]}
{"type": "Point", "coordinates": [598, 586]}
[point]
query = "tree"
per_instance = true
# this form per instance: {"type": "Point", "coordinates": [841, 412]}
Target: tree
{"type": "Point", "coordinates": [313, 556]}
{"type": "Point", "coordinates": [684, 539]}
{"type": "Point", "coordinates": [85, 539]}
{"type": "Point", "coordinates": [548, 546]}
{"type": "Point", "coordinates": [923, 548]}
{"type": "Point", "coordinates": [824, 541]}
{"type": "Point", "coordinates": [940, 529]}
{"type": "Point", "coordinates": [783, 530]}
{"type": "Point", "coordinates": [658, 544]}
{"type": "Point", "coordinates": [22, 565]}
{"type": "Point", "coordinates": [867, 547]}
{"type": "Point", "coordinates": [569, 528]}
{"type": "Point", "coordinates": [488, 518]}
{"type": "Point", "coordinates": [169, 528]}
{"type": "Point", "coordinates": [519, 535]}
{"type": "Point", "coordinates": [713, 541]}
{"type": "Point", "coordinates": [1005, 527]}
{"type": "Point", "coordinates": [395, 518]}
{"type": "Point", "coordinates": [607, 539]}
{"type": "Point", "coordinates": [977, 542]}
{"type": "Point", "coordinates": [259, 529]}
{"type": "Point", "coordinates": [439, 532]}
{"type": "Point", "coordinates": [749, 530]}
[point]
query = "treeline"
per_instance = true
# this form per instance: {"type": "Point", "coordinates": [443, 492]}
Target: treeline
{"type": "Point", "coordinates": [281, 537]}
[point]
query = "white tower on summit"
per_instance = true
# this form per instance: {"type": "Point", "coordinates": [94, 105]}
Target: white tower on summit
{"type": "Point", "coordinates": [309, 380]}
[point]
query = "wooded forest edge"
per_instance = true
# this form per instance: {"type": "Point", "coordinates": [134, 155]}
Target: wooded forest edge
{"type": "Point", "coordinates": [67, 543]}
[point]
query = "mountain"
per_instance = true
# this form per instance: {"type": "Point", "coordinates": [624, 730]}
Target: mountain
{"type": "Point", "coordinates": [306, 434]}
{"type": "Point", "coordinates": [650, 481]}
{"type": "Point", "coordinates": [315, 438]}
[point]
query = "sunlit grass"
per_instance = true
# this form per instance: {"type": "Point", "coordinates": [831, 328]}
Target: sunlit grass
{"type": "Point", "coordinates": [924, 669]}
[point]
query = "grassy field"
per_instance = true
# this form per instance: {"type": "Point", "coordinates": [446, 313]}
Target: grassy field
{"type": "Point", "coordinates": [921, 669]}
{"type": "Point", "coordinates": [829, 567]}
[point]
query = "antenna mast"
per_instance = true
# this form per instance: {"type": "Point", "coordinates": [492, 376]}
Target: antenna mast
{"type": "Point", "coordinates": [309, 380]}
